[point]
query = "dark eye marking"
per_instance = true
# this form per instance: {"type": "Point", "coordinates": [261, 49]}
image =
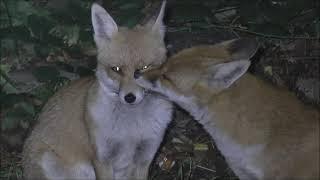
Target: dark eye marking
{"type": "Point", "coordinates": [167, 78]}
{"type": "Point", "coordinates": [153, 82]}
{"type": "Point", "coordinates": [116, 69]}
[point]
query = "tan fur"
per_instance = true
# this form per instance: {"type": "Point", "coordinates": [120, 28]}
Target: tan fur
{"type": "Point", "coordinates": [88, 130]}
{"type": "Point", "coordinates": [65, 109]}
{"type": "Point", "coordinates": [278, 135]}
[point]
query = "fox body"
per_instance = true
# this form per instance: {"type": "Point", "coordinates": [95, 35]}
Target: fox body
{"type": "Point", "coordinates": [264, 132]}
{"type": "Point", "coordinates": [104, 127]}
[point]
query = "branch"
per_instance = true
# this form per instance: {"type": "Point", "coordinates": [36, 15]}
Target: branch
{"type": "Point", "coordinates": [234, 28]}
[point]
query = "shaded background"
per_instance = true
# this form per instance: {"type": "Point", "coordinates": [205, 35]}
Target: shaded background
{"type": "Point", "coordinates": [47, 43]}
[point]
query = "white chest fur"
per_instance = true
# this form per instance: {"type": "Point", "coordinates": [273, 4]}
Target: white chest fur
{"type": "Point", "coordinates": [118, 126]}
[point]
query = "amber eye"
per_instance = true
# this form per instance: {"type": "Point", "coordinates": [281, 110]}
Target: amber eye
{"type": "Point", "coordinates": [144, 67]}
{"type": "Point", "coordinates": [116, 69]}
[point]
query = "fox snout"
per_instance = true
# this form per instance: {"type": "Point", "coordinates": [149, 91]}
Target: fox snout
{"type": "Point", "coordinates": [130, 92]}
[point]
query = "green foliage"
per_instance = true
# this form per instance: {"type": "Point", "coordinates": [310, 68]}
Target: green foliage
{"type": "Point", "coordinates": [46, 73]}
{"type": "Point", "coordinates": [19, 109]}
{"type": "Point", "coordinates": [290, 18]}
{"type": "Point", "coordinates": [30, 29]}
{"type": "Point", "coordinates": [19, 115]}
{"type": "Point", "coordinates": [128, 12]}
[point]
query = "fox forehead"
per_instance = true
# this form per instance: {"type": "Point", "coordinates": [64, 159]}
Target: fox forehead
{"type": "Point", "coordinates": [133, 47]}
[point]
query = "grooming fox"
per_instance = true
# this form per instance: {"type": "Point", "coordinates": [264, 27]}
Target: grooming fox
{"type": "Point", "coordinates": [264, 132]}
{"type": "Point", "coordinates": [104, 127]}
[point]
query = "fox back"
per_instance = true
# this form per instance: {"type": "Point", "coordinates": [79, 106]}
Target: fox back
{"type": "Point", "coordinates": [263, 131]}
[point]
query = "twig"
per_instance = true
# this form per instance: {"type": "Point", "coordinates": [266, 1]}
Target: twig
{"type": "Point", "coordinates": [11, 29]}
{"type": "Point", "coordinates": [8, 14]}
{"type": "Point", "coordinates": [190, 168]}
{"type": "Point", "coordinates": [224, 9]}
{"type": "Point", "coordinates": [250, 32]}
{"type": "Point", "coordinates": [6, 78]}
{"type": "Point", "coordinates": [201, 167]}
{"type": "Point", "coordinates": [301, 13]}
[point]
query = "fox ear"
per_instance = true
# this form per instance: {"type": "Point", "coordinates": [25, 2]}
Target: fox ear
{"type": "Point", "coordinates": [103, 25]}
{"type": "Point", "coordinates": [222, 76]}
{"type": "Point", "coordinates": [242, 48]}
{"type": "Point", "coordinates": [156, 24]}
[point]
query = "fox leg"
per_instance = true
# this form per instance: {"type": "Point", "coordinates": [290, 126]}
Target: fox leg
{"type": "Point", "coordinates": [53, 167]}
{"type": "Point", "coordinates": [103, 170]}
{"type": "Point", "coordinates": [142, 159]}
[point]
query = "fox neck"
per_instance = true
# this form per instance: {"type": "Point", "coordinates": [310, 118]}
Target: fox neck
{"type": "Point", "coordinates": [189, 103]}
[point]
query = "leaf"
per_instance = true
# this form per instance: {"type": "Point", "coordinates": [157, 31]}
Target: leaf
{"type": "Point", "coordinates": [26, 108]}
{"type": "Point", "coordinates": [43, 93]}
{"type": "Point", "coordinates": [21, 112]}
{"type": "Point", "coordinates": [131, 22]}
{"type": "Point", "coordinates": [9, 100]}
{"type": "Point", "coordinates": [5, 82]}
{"type": "Point", "coordinates": [7, 45]}
{"type": "Point", "coordinates": [69, 34]}
{"type": "Point", "coordinates": [10, 121]}
{"type": "Point", "coordinates": [73, 35]}
{"type": "Point", "coordinates": [36, 31]}
{"type": "Point", "coordinates": [84, 71]}
{"type": "Point", "coordinates": [46, 73]}
{"type": "Point", "coordinates": [130, 6]}
{"type": "Point", "coordinates": [201, 147]}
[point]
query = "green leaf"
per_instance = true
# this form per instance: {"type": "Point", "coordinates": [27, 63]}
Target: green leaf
{"type": "Point", "coordinates": [26, 108]}
{"type": "Point", "coordinates": [69, 34]}
{"type": "Point", "coordinates": [21, 112]}
{"type": "Point", "coordinates": [5, 82]}
{"type": "Point", "coordinates": [46, 73]}
{"type": "Point", "coordinates": [9, 100]}
{"type": "Point", "coordinates": [73, 35]}
{"type": "Point", "coordinates": [130, 6]}
{"type": "Point", "coordinates": [10, 121]}
{"type": "Point", "coordinates": [131, 22]}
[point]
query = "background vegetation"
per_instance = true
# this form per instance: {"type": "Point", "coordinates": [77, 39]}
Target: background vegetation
{"type": "Point", "coordinates": [45, 44]}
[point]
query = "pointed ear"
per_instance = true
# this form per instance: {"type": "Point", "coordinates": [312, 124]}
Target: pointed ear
{"type": "Point", "coordinates": [103, 25]}
{"type": "Point", "coordinates": [156, 24]}
{"type": "Point", "coordinates": [222, 76]}
{"type": "Point", "coordinates": [242, 48]}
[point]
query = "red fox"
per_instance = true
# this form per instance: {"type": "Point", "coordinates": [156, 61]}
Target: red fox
{"type": "Point", "coordinates": [104, 127]}
{"type": "Point", "coordinates": [264, 132]}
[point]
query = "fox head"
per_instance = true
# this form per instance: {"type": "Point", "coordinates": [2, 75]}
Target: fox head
{"type": "Point", "coordinates": [200, 71]}
{"type": "Point", "coordinates": [122, 52]}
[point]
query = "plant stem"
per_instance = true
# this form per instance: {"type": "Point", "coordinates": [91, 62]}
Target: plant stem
{"type": "Point", "coordinates": [249, 32]}
{"type": "Point", "coordinates": [11, 30]}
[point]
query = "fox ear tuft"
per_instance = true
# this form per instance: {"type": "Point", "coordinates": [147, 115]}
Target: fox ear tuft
{"type": "Point", "coordinates": [103, 25]}
{"type": "Point", "coordinates": [156, 24]}
{"type": "Point", "coordinates": [222, 76]}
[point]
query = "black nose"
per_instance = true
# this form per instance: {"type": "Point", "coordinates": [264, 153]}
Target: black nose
{"type": "Point", "coordinates": [130, 98]}
{"type": "Point", "coordinates": [137, 74]}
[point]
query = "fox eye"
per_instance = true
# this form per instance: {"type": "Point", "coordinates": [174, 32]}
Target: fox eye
{"type": "Point", "coordinates": [144, 67]}
{"type": "Point", "coordinates": [116, 69]}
